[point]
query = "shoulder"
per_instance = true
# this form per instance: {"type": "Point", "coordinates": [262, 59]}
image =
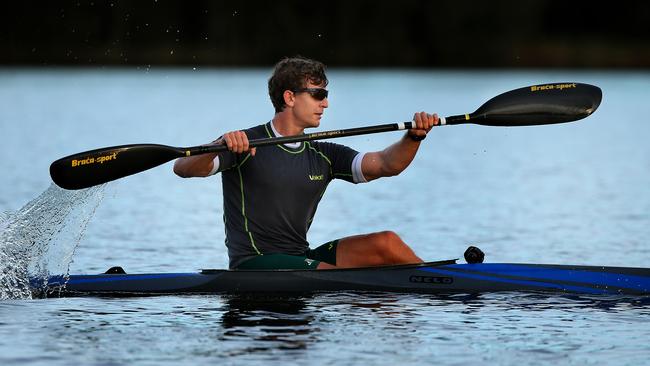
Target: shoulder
{"type": "Point", "coordinates": [324, 145]}
{"type": "Point", "coordinates": [337, 155]}
{"type": "Point", "coordinates": [257, 132]}
{"type": "Point", "coordinates": [330, 147]}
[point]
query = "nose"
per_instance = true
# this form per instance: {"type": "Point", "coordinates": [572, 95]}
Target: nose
{"type": "Point", "coordinates": [325, 103]}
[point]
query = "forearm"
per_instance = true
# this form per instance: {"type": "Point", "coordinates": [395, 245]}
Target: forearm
{"type": "Point", "coordinates": [204, 165]}
{"type": "Point", "coordinates": [399, 155]}
{"type": "Point", "coordinates": [390, 161]}
{"type": "Point", "coordinates": [194, 166]}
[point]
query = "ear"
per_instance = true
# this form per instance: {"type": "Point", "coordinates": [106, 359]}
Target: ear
{"type": "Point", "coordinates": [289, 98]}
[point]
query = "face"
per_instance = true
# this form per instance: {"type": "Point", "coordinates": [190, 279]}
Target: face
{"type": "Point", "coordinates": [307, 109]}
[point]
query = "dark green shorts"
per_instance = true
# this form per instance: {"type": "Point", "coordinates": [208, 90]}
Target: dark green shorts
{"type": "Point", "coordinates": [312, 258]}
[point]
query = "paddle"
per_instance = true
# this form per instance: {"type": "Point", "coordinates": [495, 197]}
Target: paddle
{"type": "Point", "coordinates": [533, 105]}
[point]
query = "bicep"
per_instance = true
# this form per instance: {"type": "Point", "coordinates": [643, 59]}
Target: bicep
{"type": "Point", "coordinates": [372, 165]}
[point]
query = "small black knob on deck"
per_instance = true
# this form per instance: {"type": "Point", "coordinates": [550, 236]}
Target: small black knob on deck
{"type": "Point", "coordinates": [115, 270]}
{"type": "Point", "coordinates": [474, 255]}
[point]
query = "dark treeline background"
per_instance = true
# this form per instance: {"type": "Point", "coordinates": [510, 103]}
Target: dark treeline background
{"type": "Point", "coordinates": [400, 33]}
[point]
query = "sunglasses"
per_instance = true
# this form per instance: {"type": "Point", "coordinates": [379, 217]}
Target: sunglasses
{"type": "Point", "coordinates": [316, 93]}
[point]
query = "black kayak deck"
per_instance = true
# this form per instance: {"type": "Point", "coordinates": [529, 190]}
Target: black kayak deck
{"type": "Point", "coordinates": [442, 277]}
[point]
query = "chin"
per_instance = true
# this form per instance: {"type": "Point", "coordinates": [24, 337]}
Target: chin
{"type": "Point", "coordinates": [315, 123]}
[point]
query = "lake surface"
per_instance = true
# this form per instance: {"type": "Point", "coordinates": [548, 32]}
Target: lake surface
{"type": "Point", "coordinates": [574, 193]}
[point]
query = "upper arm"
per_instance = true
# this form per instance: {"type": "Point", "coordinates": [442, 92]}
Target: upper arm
{"type": "Point", "coordinates": [373, 165]}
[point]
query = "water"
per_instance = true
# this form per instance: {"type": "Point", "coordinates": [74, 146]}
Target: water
{"type": "Point", "coordinates": [570, 194]}
{"type": "Point", "coordinates": [327, 329]}
{"type": "Point", "coordinates": [39, 240]}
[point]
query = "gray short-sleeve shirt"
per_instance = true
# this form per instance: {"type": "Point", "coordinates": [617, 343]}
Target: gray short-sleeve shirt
{"type": "Point", "coordinates": [271, 198]}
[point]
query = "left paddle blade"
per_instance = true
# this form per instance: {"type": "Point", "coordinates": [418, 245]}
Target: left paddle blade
{"type": "Point", "coordinates": [99, 166]}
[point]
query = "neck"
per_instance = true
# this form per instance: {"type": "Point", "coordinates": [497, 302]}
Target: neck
{"type": "Point", "coordinates": [286, 125]}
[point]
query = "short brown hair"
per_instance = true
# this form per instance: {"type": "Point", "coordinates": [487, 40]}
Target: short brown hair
{"type": "Point", "coordinates": [292, 73]}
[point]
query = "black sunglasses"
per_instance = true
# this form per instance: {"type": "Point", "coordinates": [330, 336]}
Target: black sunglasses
{"type": "Point", "coordinates": [316, 93]}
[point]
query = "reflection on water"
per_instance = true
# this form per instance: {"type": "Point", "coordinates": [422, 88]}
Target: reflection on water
{"type": "Point", "coordinates": [261, 324]}
{"type": "Point", "coordinates": [350, 328]}
{"type": "Point", "coordinates": [277, 322]}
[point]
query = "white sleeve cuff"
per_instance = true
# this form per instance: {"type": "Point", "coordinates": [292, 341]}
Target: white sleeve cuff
{"type": "Point", "coordinates": [357, 173]}
{"type": "Point", "coordinates": [215, 166]}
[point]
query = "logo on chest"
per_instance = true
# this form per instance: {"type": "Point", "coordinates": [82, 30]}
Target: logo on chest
{"type": "Point", "coordinates": [316, 177]}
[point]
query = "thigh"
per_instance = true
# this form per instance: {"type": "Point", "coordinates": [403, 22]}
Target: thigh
{"type": "Point", "coordinates": [375, 249]}
{"type": "Point", "coordinates": [359, 251]}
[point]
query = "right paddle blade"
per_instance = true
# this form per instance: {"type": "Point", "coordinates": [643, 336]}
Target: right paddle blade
{"type": "Point", "coordinates": [539, 105]}
{"type": "Point", "coordinates": [99, 166]}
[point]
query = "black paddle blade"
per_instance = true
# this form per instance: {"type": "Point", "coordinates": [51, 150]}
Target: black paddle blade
{"type": "Point", "coordinates": [539, 105]}
{"type": "Point", "coordinates": [99, 166]}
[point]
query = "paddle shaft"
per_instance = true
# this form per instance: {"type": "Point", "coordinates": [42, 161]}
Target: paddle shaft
{"type": "Point", "coordinates": [306, 137]}
{"type": "Point", "coordinates": [451, 120]}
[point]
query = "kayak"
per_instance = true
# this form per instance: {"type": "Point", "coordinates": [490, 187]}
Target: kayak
{"type": "Point", "coordinates": [441, 277]}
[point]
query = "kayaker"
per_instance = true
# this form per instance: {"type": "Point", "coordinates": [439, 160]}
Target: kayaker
{"type": "Point", "coordinates": [271, 193]}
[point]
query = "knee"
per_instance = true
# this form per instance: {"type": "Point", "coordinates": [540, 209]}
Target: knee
{"type": "Point", "coordinates": [388, 241]}
{"type": "Point", "coordinates": [388, 236]}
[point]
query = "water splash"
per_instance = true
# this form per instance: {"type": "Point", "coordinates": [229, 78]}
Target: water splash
{"type": "Point", "coordinates": [39, 239]}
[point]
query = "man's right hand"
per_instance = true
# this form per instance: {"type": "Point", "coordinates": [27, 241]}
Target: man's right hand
{"type": "Point", "coordinates": [237, 142]}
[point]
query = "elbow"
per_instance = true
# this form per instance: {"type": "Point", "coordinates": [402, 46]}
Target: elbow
{"type": "Point", "coordinates": [178, 170]}
{"type": "Point", "coordinates": [391, 171]}
{"type": "Point", "coordinates": [190, 169]}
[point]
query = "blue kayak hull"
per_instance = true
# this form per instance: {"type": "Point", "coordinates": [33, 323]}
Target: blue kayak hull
{"type": "Point", "coordinates": [444, 277]}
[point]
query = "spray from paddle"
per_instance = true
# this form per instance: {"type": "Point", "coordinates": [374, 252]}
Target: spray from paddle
{"type": "Point", "coordinates": [39, 239]}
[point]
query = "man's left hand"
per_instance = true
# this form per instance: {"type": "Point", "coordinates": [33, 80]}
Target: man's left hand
{"type": "Point", "coordinates": [424, 122]}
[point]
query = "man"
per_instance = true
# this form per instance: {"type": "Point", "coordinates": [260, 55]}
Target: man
{"type": "Point", "coordinates": [271, 193]}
